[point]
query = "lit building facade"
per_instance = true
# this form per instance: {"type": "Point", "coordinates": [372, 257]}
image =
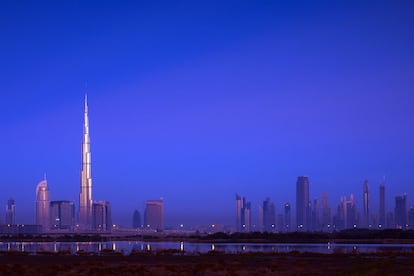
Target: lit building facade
{"type": "Point", "coordinates": [302, 204]}
{"type": "Point", "coordinates": [62, 215]}
{"type": "Point", "coordinates": [85, 194]}
{"type": "Point", "coordinates": [154, 214]}
{"type": "Point", "coordinates": [43, 205]}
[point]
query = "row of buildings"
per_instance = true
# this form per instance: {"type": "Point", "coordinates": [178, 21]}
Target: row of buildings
{"type": "Point", "coordinates": [91, 216]}
{"type": "Point", "coordinates": [319, 216]}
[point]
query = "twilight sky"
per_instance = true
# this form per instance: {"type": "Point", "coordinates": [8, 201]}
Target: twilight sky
{"type": "Point", "coordinates": [195, 101]}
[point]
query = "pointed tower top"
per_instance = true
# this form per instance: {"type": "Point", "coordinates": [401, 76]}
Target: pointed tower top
{"type": "Point", "coordinates": [86, 100]}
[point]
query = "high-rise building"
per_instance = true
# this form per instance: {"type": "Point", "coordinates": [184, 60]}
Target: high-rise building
{"type": "Point", "coordinates": [390, 220]}
{"type": "Point", "coordinates": [326, 216]}
{"type": "Point", "coordinates": [346, 216]}
{"type": "Point", "coordinates": [136, 219]}
{"type": "Point", "coordinates": [260, 208]}
{"type": "Point", "coordinates": [287, 217]}
{"type": "Point", "coordinates": [351, 220]}
{"type": "Point", "coordinates": [269, 216]}
{"type": "Point", "coordinates": [315, 220]}
{"type": "Point", "coordinates": [85, 194]}
{"type": "Point", "coordinates": [247, 218]}
{"type": "Point", "coordinates": [154, 214]}
{"type": "Point", "coordinates": [43, 205]}
{"type": "Point", "coordinates": [62, 214]}
{"type": "Point", "coordinates": [10, 212]}
{"type": "Point", "coordinates": [400, 212]}
{"type": "Point", "coordinates": [410, 218]}
{"type": "Point", "coordinates": [302, 204]}
{"type": "Point", "coordinates": [381, 223]}
{"type": "Point", "coordinates": [101, 216]}
{"type": "Point", "coordinates": [239, 206]}
{"type": "Point", "coordinates": [365, 200]}
{"type": "Point", "coordinates": [243, 214]}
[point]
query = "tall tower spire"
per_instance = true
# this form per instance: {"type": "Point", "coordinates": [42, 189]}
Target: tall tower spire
{"type": "Point", "coordinates": [85, 194]}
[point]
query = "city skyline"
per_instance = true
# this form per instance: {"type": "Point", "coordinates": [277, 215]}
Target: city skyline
{"type": "Point", "coordinates": [196, 102]}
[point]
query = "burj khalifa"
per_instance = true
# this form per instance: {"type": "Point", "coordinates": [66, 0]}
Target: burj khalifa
{"type": "Point", "coordinates": [85, 194]}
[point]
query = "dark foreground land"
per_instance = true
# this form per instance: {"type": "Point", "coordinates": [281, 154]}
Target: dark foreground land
{"type": "Point", "coordinates": [207, 264]}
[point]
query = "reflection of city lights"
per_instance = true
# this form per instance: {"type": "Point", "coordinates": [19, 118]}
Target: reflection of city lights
{"type": "Point", "coordinates": [148, 247]}
{"type": "Point", "coordinates": [114, 246]}
{"type": "Point", "coordinates": [212, 247]}
{"type": "Point", "coordinates": [100, 246]}
{"type": "Point", "coordinates": [181, 246]}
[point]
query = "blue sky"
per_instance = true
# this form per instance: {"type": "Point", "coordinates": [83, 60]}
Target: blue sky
{"type": "Point", "coordinates": [195, 101]}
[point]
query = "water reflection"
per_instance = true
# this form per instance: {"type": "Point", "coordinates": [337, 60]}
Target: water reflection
{"type": "Point", "coordinates": [192, 248]}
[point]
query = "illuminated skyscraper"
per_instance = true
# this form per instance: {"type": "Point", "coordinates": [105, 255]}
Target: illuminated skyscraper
{"type": "Point", "coordinates": [154, 214]}
{"type": "Point", "coordinates": [85, 194]}
{"type": "Point", "coordinates": [43, 205]}
{"type": "Point", "coordinates": [302, 203]}
{"type": "Point", "coordinates": [381, 206]}
{"type": "Point", "coordinates": [365, 200]}
{"type": "Point", "coordinates": [101, 216]}
{"type": "Point", "coordinates": [400, 212]}
{"type": "Point", "coordinates": [10, 212]}
{"type": "Point", "coordinates": [62, 214]}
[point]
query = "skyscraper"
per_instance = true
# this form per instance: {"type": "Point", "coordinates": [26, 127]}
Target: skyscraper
{"type": "Point", "coordinates": [400, 212]}
{"type": "Point", "coordinates": [43, 205]}
{"type": "Point", "coordinates": [239, 205]}
{"type": "Point", "coordinates": [365, 200]}
{"type": "Point", "coordinates": [382, 206]}
{"type": "Point", "coordinates": [85, 194]}
{"type": "Point", "coordinates": [10, 212]}
{"type": "Point", "coordinates": [287, 217]}
{"type": "Point", "coordinates": [62, 214]}
{"type": "Point", "coordinates": [269, 216]}
{"type": "Point", "coordinates": [326, 216]}
{"type": "Point", "coordinates": [154, 214]}
{"type": "Point", "coordinates": [243, 214]}
{"type": "Point", "coordinates": [302, 203]}
{"type": "Point", "coordinates": [136, 219]}
{"type": "Point", "coordinates": [101, 216]}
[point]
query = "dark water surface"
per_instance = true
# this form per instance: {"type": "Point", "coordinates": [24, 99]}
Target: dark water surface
{"type": "Point", "coordinates": [192, 247]}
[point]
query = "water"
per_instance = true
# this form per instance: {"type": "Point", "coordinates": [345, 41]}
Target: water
{"type": "Point", "coordinates": [126, 247]}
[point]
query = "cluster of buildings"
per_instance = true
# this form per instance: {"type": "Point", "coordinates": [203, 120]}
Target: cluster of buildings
{"type": "Point", "coordinates": [315, 215]}
{"type": "Point", "coordinates": [60, 215]}
{"type": "Point", "coordinates": [91, 216]}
